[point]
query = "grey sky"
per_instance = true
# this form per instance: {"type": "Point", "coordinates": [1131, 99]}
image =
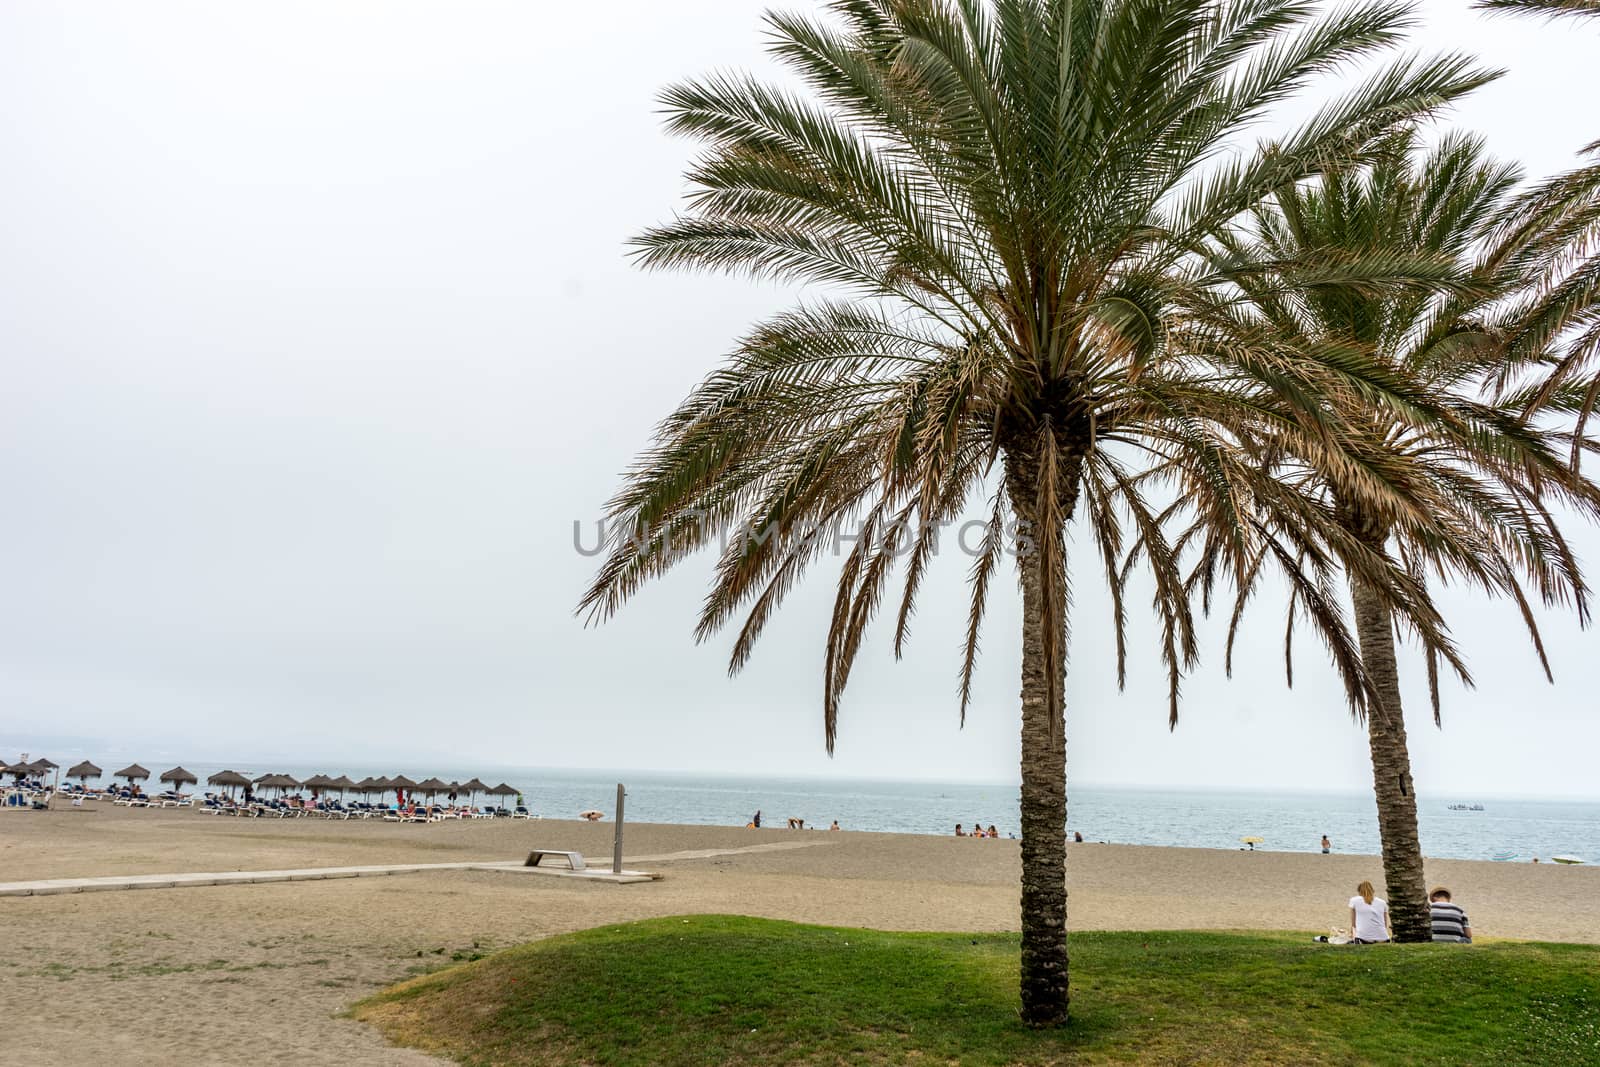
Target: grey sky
{"type": "Point", "coordinates": [319, 333]}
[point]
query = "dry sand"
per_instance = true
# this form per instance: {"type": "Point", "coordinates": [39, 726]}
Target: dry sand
{"type": "Point", "coordinates": [222, 974]}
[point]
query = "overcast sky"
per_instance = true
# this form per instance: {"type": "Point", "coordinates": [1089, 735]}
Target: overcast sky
{"type": "Point", "coordinates": [319, 334]}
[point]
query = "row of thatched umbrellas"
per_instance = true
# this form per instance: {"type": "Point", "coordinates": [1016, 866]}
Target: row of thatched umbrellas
{"type": "Point", "coordinates": [86, 770]}
{"type": "Point", "coordinates": [428, 786]}
{"type": "Point", "coordinates": [233, 780]}
{"type": "Point", "coordinates": [25, 769]}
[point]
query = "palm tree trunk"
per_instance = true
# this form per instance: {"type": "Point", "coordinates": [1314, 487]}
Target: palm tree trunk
{"type": "Point", "coordinates": [1044, 753]}
{"type": "Point", "coordinates": [1391, 770]}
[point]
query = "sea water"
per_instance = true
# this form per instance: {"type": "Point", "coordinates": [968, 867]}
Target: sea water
{"type": "Point", "coordinates": [1517, 829]}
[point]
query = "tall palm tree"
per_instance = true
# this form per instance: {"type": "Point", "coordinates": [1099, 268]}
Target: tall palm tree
{"type": "Point", "coordinates": [1480, 477]}
{"type": "Point", "coordinates": [1004, 200]}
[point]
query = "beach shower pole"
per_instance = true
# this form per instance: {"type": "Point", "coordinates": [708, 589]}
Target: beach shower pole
{"type": "Point", "coordinates": [616, 848]}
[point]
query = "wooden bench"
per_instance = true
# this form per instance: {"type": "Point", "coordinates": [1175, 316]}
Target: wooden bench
{"type": "Point", "coordinates": [574, 859]}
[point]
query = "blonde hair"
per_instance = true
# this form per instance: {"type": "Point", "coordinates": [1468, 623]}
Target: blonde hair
{"type": "Point", "coordinates": [1366, 891]}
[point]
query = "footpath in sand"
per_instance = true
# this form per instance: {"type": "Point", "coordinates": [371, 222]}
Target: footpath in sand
{"type": "Point", "coordinates": [217, 974]}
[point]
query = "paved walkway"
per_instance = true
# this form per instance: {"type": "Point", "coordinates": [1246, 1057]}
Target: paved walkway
{"type": "Point", "coordinates": [53, 886]}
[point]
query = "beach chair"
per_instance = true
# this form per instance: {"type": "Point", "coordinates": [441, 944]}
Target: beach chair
{"type": "Point", "coordinates": [521, 813]}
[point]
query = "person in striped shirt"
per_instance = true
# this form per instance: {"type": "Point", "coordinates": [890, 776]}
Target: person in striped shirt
{"type": "Point", "coordinates": [1449, 921]}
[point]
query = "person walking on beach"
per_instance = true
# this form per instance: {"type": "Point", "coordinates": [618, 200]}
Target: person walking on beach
{"type": "Point", "coordinates": [1369, 916]}
{"type": "Point", "coordinates": [1327, 845]}
{"type": "Point", "coordinates": [1450, 923]}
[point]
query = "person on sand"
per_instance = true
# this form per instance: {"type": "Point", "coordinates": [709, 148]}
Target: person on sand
{"type": "Point", "coordinates": [755, 820]}
{"type": "Point", "coordinates": [835, 825]}
{"type": "Point", "coordinates": [1450, 923]}
{"type": "Point", "coordinates": [993, 832]}
{"type": "Point", "coordinates": [1327, 845]}
{"type": "Point", "coordinates": [1369, 916]}
{"type": "Point", "coordinates": [960, 832]}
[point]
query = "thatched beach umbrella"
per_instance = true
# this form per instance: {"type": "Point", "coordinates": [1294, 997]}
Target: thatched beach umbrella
{"type": "Point", "coordinates": [132, 773]}
{"type": "Point", "coordinates": [83, 771]}
{"type": "Point", "coordinates": [229, 780]}
{"type": "Point", "coordinates": [280, 782]}
{"type": "Point", "coordinates": [341, 783]}
{"type": "Point", "coordinates": [26, 769]}
{"type": "Point", "coordinates": [369, 785]}
{"type": "Point", "coordinates": [179, 777]}
{"type": "Point", "coordinates": [318, 781]}
{"type": "Point", "coordinates": [473, 786]}
{"type": "Point", "coordinates": [503, 790]}
{"type": "Point", "coordinates": [431, 786]}
{"type": "Point", "coordinates": [399, 782]}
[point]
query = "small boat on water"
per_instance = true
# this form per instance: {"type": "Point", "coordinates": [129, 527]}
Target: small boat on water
{"type": "Point", "coordinates": [1465, 807]}
{"type": "Point", "coordinates": [1504, 857]}
{"type": "Point", "coordinates": [1568, 860]}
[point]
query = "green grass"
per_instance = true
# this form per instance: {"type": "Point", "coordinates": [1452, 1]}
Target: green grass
{"type": "Point", "coordinates": [724, 989]}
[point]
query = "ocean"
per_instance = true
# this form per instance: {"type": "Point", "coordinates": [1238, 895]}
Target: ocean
{"type": "Point", "coordinates": [1286, 821]}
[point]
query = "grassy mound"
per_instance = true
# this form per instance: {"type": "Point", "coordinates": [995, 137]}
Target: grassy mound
{"type": "Point", "coordinates": [724, 989]}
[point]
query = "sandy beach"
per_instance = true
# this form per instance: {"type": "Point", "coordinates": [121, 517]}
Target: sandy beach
{"type": "Point", "coordinates": [218, 974]}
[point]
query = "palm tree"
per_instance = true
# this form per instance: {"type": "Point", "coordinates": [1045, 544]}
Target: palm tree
{"type": "Point", "coordinates": [1004, 200]}
{"type": "Point", "coordinates": [1479, 477]}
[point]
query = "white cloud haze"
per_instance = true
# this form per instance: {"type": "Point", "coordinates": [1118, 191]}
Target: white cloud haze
{"type": "Point", "coordinates": [319, 332]}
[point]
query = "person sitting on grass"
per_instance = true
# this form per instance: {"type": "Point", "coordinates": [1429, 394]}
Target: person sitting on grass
{"type": "Point", "coordinates": [1369, 916]}
{"type": "Point", "coordinates": [1450, 923]}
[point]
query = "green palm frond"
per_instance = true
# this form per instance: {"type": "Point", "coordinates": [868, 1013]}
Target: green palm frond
{"type": "Point", "coordinates": [1547, 8]}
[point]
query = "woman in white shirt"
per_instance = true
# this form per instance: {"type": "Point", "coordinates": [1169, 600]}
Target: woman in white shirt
{"type": "Point", "coordinates": [1369, 916]}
